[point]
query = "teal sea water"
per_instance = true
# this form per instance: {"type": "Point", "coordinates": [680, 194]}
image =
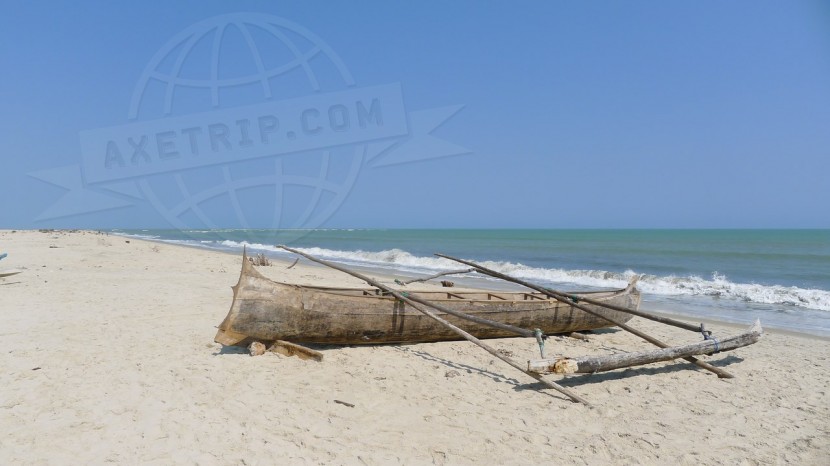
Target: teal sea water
{"type": "Point", "coordinates": [779, 276]}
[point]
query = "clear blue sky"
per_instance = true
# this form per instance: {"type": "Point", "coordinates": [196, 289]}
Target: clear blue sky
{"type": "Point", "coordinates": [600, 115]}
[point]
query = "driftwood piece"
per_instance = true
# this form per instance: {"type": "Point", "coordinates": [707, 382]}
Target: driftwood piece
{"type": "Point", "coordinates": [452, 272]}
{"type": "Point", "coordinates": [591, 364]}
{"type": "Point", "coordinates": [286, 348]}
{"type": "Point", "coordinates": [573, 396]}
{"type": "Point", "coordinates": [256, 348]}
{"type": "Point", "coordinates": [293, 263]}
{"type": "Point", "coordinates": [573, 301]}
{"type": "Point", "coordinates": [578, 336]}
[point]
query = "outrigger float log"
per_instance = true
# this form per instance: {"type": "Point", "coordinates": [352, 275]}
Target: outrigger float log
{"type": "Point", "coordinates": [592, 364]}
{"type": "Point", "coordinates": [267, 311]}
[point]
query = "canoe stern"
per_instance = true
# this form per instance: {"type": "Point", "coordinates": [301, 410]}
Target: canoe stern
{"type": "Point", "coordinates": [225, 333]}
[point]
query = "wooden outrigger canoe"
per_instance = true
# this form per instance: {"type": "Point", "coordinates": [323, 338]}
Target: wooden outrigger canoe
{"type": "Point", "coordinates": [266, 310]}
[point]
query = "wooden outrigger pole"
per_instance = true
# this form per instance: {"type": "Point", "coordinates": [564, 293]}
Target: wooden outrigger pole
{"type": "Point", "coordinates": [414, 302]}
{"type": "Point", "coordinates": [574, 301]}
{"type": "Point", "coordinates": [451, 272]}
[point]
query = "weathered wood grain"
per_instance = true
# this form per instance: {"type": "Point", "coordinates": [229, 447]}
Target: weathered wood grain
{"type": "Point", "coordinates": [265, 310]}
{"type": "Point", "coordinates": [591, 364]}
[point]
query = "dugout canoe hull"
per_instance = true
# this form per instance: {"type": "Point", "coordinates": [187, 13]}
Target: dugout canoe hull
{"type": "Point", "coordinates": [266, 310]}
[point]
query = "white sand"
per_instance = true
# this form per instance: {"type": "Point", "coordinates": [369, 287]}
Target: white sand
{"type": "Point", "coordinates": [108, 356]}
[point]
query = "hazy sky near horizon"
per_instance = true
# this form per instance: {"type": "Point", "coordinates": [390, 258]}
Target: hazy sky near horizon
{"type": "Point", "coordinates": [600, 115]}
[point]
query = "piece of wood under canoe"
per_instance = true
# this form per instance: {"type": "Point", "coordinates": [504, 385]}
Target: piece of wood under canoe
{"type": "Point", "coordinates": [265, 310]}
{"type": "Point", "coordinates": [9, 272]}
{"type": "Point", "coordinates": [591, 364]}
{"type": "Point", "coordinates": [287, 348]}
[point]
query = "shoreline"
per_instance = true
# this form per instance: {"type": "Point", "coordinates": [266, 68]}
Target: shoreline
{"type": "Point", "coordinates": [478, 284]}
{"type": "Point", "coordinates": [109, 357]}
{"type": "Point", "coordinates": [386, 276]}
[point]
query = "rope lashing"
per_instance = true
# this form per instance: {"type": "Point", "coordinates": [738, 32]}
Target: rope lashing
{"type": "Point", "coordinates": [717, 344]}
{"type": "Point", "coordinates": [404, 294]}
{"type": "Point", "coordinates": [707, 335]}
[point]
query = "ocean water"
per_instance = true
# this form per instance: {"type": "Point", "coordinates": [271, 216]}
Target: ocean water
{"type": "Point", "coordinates": [779, 276]}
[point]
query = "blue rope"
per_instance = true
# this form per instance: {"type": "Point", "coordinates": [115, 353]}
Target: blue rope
{"type": "Point", "coordinates": [540, 338]}
{"type": "Point", "coordinates": [707, 335]}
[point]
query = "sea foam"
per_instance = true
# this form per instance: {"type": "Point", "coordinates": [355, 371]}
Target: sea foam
{"type": "Point", "coordinates": [717, 285]}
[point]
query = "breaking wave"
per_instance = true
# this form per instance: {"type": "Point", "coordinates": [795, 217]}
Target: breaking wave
{"type": "Point", "coordinates": [715, 286]}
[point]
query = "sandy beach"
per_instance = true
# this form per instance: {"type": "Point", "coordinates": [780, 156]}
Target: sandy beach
{"type": "Point", "coordinates": [108, 356]}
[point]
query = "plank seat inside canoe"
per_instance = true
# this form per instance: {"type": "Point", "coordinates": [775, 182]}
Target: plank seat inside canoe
{"type": "Point", "coordinates": [437, 295]}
